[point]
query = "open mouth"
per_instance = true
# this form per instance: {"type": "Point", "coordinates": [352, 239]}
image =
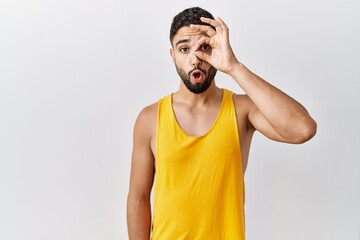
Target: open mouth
{"type": "Point", "coordinates": [197, 76]}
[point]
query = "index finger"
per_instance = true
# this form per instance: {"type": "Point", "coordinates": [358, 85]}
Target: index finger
{"type": "Point", "coordinates": [217, 23]}
{"type": "Point", "coordinates": [201, 41]}
{"type": "Point", "coordinates": [204, 28]}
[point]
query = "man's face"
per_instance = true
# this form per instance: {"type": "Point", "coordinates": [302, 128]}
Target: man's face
{"type": "Point", "coordinates": [196, 74]}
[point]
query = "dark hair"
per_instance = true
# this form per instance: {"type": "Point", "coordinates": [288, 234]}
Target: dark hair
{"type": "Point", "coordinates": [187, 17]}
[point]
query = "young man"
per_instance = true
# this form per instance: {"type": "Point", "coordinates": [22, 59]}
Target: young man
{"type": "Point", "coordinates": [197, 139]}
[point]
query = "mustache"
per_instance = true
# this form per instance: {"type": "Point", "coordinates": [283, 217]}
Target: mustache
{"type": "Point", "coordinates": [197, 68]}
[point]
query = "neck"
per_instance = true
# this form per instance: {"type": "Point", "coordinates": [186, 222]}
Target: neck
{"type": "Point", "coordinates": [213, 93]}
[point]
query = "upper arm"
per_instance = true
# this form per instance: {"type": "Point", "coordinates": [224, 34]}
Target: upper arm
{"type": "Point", "coordinates": [142, 161]}
{"type": "Point", "coordinates": [260, 123]}
{"type": "Point", "coordinates": [257, 121]}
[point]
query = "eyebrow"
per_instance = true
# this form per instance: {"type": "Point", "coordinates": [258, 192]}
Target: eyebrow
{"type": "Point", "coordinates": [182, 41]}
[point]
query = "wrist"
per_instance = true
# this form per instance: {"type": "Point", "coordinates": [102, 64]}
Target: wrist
{"type": "Point", "coordinates": [235, 69]}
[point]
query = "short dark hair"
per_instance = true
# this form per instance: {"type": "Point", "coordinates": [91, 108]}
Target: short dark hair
{"type": "Point", "coordinates": [187, 17]}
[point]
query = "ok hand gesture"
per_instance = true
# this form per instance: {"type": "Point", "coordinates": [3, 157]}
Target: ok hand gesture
{"type": "Point", "coordinates": [221, 55]}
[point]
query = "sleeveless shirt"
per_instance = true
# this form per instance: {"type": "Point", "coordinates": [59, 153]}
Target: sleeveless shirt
{"type": "Point", "coordinates": [199, 184]}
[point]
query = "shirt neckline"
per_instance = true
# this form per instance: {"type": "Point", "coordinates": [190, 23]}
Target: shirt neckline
{"type": "Point", "coordinates": [213, 124]}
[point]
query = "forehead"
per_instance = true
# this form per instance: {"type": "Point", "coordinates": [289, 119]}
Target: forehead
{"type": "Point", "coordinates": [187, 33]}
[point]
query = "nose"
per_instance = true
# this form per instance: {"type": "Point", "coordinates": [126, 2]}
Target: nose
{"type": "Point", "coordinates": [195, 61]}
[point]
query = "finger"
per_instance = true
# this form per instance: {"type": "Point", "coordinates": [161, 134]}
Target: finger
{"type": "Point", "coordinates": [203, 56]}
{"type": "Point", "coordinates": [212, 22]}
{"type": "Point", "coordinates": [222, 24]}
{"type": "Point", "coordinates": [218, 23]}
{"type": "Point", "coordinates": [201, 41]}
{"type": "Point", "coordinates": [204, 28]}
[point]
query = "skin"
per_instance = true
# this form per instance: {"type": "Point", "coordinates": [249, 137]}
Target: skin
{"type": "Point", "coordinates": [263, 108]}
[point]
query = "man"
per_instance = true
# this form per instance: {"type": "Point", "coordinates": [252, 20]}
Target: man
{"type": "Point", "coordinates": [197, 139]}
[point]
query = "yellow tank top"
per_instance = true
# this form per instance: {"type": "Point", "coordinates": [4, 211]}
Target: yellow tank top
{"type": "Point", "coordinates": [199, 184]}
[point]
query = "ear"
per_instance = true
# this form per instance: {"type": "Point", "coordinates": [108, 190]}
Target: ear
{"type": "Point", "coordinates": [172, 54]}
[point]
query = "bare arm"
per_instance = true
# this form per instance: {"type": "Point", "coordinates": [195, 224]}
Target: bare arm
{"type": "Point", "coordinates": [272, 112]}
{"type": "Point", "coordinates": [141, 178]}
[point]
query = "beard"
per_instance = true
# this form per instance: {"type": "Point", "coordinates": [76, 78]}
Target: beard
{"type": "Point", "coordinates": [197, 87]}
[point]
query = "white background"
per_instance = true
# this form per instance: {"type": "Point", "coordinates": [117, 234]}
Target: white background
{"type": "Point", "coordinates": [75, 74]}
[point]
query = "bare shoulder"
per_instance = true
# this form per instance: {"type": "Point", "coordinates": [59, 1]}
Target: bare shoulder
{"type": "Point", "coordinates": [146, 120]}
{"type": "Point", "coordinates": [243, 103]}
{"type": "Point", "coordinates": [149, 113]}
{"type": "Point", "coordinates": [243, 106]}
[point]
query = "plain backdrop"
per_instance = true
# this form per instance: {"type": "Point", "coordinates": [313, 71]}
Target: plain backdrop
{"type": "Point", "coordinates": [75, 74]}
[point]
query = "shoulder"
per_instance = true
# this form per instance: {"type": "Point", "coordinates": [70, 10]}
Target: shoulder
{"type": "Point", "coordinates": [243, 106]}
{"type": "Point", "coordinates": [242, 102]}
{"type": "Point", "coordinates": [145, 124]}
{"type": "Point", "coordinates": [149, 112]}
{"type": "Point", "coordinates": [147, 115]}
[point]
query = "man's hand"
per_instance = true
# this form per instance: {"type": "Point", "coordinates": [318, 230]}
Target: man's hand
{"type": "Point", "coordinates": [221, 55]}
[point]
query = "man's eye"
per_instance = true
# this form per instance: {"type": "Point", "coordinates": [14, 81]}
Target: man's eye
{"type": "Point", "coordinates": [183, 50]}
{"type": "Point", "coordinates": [205, 47]}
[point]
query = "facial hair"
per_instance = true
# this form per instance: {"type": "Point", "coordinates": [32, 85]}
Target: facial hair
{"type": "Point", "coordinates": [197, 87]}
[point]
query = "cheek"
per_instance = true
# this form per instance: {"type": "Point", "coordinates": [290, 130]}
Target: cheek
{"type": "Point", "coordinates": [180, 61]}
